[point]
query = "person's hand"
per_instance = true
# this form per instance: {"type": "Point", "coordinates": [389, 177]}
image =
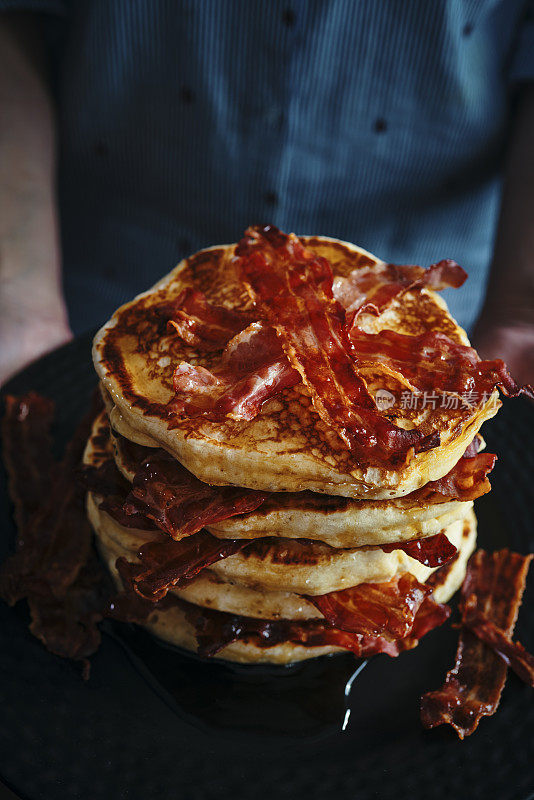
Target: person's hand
{"type": "Point", "coordinates": [509, 339]}
{"type": "Point", "coordinates": [29, 331]}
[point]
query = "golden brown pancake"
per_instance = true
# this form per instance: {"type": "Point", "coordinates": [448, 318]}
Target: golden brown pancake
{"type": "Point", "coordinates": [286, 565]}
{"type": "Point", "coordinates": [338, 521]}
{"type": "Point", "coordinates": [171, 626]}
{"type": "Point", "coordinates": [287, 447]}
{"type": "Point", "coordinates": [278, 565]}
{"type": "Point", "coordinates": [264, 585]}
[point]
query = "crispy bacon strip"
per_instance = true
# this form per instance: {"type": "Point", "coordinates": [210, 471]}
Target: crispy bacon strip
{"type": "Point", "coordinates": [292, 290]}
{"type": "Point", "coordinates": [178, 503]}
{"type": "Point", "coordinates": [169, 565]}
{"type": "Point", "coordinates": [201, 324]}
{"type": "Point", "coordinates": [466, 481]}
{"type": "Point", "coordinates": [216, 629]}
{"type": "Point", "coordinates": [106, 481]}
{"type": "Point", "coordinates": [127, 605]}
{"type": "Point", "coordinates": [253, 368]}
{"type": "Point", "coordinates": [430, 616]}
{"type": "Point", "coordinates": [27, 452]}
{"type": "Point", "coordinates": [371, 289]}
{"type": "Point", "coordinates": [513, 653]}
{"type": "Point", "coordinates": [473, 687]}
{"type": "Point", "coordinates": [432, 551]}
{"type": "Point", "coordinates": [48, 553]}
{"type": "Point", "coordinates": [473, 447]}
{"type": "Point", "coordinates": [374, 609]}
{"type": "Point", "coordinates": [54, 567]}
{"type": "Point", "coordinates": [132, 452]}
{"type": "Point", "coordinates": [133, 519]}
{"type": "Point", "coordinates": [432, 362]}
{"type": "Point", "coordinates": [68, 626]}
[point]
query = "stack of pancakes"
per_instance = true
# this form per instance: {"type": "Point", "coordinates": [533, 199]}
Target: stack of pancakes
{"type": "Point", "coordinates": [327, 525]}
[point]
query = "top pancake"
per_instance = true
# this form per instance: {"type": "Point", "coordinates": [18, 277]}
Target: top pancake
{"type": "Point", "coordinates": [286, 447]}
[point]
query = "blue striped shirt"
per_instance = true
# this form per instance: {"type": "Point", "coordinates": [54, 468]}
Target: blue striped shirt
{"type": "Point", "coordinates": [381, 122]}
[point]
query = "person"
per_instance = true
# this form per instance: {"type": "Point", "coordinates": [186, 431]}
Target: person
{"type": "Point", "coordinates": [135, 132]}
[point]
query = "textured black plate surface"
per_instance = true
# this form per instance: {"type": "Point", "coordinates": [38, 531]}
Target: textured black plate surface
{"type": "Point", "coordinates": [153, 723]}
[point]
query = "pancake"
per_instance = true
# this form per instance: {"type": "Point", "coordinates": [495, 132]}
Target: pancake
{"type": "Point", "coordinates": [352, 526]}
{"type": "Point", "coordinates": [208, 589]}
{"type": "Point", "coordinates": [271, 563]}
{"type": "Point", "coordinates": [287, 565]}
{"type": "Point", "coordinates": [287, 447]}
{"type": "Point", "coordinates": [337, 521]}
{"type": "Point", "coordinates": [171, 625]}
{"type": "Point", "coordinates": [315, 568]}
{"type": "Point", "coordinates": [119, 424]}
{"type": "Point", "coordinates": [256, 585]}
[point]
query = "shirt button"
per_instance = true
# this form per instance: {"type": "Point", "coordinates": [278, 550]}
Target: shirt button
{"type": "Point", "coordinates": [467, 29]}
{"type": "Point", "coordinates": [186, 94]}
{"type": "Point", "coordinates": [380, 125]}
{"type": "Point", "coordinates": [101, 149]}
{"type": "Point", "coordinates": [271, 198]}
{"type": "Point", "coordinates": [289, 17]}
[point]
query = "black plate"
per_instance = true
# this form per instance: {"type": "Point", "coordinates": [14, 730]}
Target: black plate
{"type": "Point", "coordinates": [155, 723]}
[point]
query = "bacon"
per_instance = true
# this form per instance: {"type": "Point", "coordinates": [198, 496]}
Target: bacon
{"type": "Point", "coordinates": [47, 550]}
{"type": "Point", "coordinates": [292, 290]}
{"type": "Point", "coordinates": [127, 605]}
{"type": "Point", "coordinates": [133, 519]}
{"type": "Point", "coordinates": [374, 609]}
{"type": "Point", "coordinates": [178, 503]}
{"type": "Point", "coordinates": [201, 324]}
{"type": "Point", "coordinates": [432, 362]}
{"type": "Point", "coordinates": [474, 447]}
{"type": "Point", "coordinates": [165, 496]}
{"type": "Point", "coordinates": [67, 626]}
{"type": "Point", "coordinates": [493, 587]}
{"type": "Point", "coordinates": [512, 653]}
{"type": "Point", "coordinates": [132, 453]}
{"type": "Point", "coordinates": [54, 567]}
{"type": "Point", "coordinates": [169, 565]}
{"type": "Point", "coordinates": [431, 615]}
{"type": "Point", "coordinates": [106, 481]}
{"type": "Point", "coordinates": [371, 289]}
{"type": "Point", "coordinates": [432, 551]}
{"type": "Point", "coordinates": [466, 481]}
{"type": "Point", "coordinates": [252, 370]}
{"type": "Point", "coordinates": [217, 629]}
{"type": "Point", "coordinates": [27, 452]}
